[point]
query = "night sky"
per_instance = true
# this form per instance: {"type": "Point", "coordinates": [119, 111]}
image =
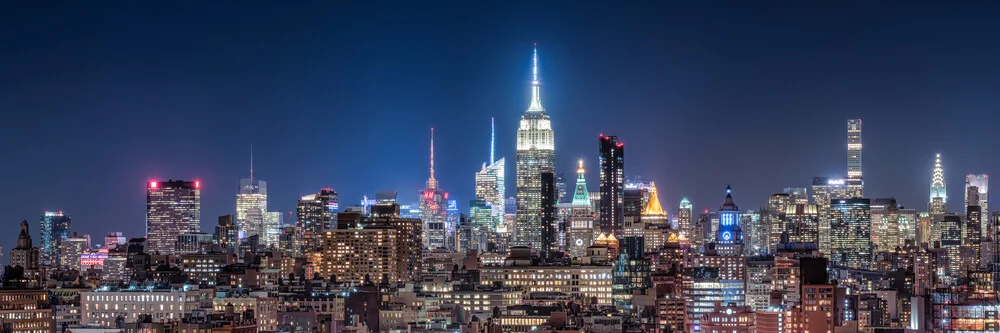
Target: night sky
{"type": "Point", "coordinates": [97, 98]}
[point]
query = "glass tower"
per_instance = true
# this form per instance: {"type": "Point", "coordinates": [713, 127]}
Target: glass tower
{"type": "Point", "coordinates": [55, 229]}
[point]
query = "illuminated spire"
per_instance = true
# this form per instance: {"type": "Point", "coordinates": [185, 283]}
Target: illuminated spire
{"type": "Point", "coordinates": [536, 99]}
{"type": "Point", "coordinates": [493, 139]}
{"type": "Point", "coordinates": [581, 196]}
{"type": "Point", "coordinates": [938, 188]}
{"type": "Point", "coordinates": [431, 182]}
{"type": "Point", "coordinates": [251, 161]}
{"type": "Point", "coordinates": [653, 207]}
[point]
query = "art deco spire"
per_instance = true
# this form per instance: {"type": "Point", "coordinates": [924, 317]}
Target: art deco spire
{"type": "Point", "coordinates": [938, 188]}
{"type": "Point", "coordinates": [653, 207]}
{"type": "Point", "coordinates": [431, 182]}
{"type": "Point", "coordinates": [536, 99]}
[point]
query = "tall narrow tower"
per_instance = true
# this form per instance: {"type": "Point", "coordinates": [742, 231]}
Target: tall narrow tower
{"type": "Point", "coordinates": [535, 154]}
{"type": "Point", "coordinates": [612, 155]}
{"type": "Point", "coordinates": [433, 210]}
{"type": "Point", "coordinates": [939, 193]}
{"type": "Point", "coordinates": [855, 184]}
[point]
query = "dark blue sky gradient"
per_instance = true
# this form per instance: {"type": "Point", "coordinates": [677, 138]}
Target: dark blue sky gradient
{"type": "Point", "coordinates": [98, 98]}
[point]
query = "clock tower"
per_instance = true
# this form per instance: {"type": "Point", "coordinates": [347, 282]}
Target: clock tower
{"type": "Point", "coordinates": [729, 238]}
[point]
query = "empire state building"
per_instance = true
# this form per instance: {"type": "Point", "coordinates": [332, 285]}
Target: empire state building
{"type": "Point", "coordinates": [535, 154]}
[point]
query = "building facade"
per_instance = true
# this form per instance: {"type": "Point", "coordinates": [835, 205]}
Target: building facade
{"type": "Point", "coordinates": [612, 162]}
{"type": "Point", "coordinates": [172, 207]}
{"type": "Point", "coordinates": [55, 228]}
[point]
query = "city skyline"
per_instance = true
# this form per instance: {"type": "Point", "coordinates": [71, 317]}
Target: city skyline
{"type": "Point", "coordinates": [896, 160]}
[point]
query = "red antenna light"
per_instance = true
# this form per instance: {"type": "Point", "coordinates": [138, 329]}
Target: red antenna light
{"type": "Point", "coordinates": [152, 184]}
{"type": "Point", "coordinates": [197, 184]}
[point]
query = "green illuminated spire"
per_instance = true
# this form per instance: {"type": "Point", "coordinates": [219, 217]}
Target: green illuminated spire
{"type": "Point", "coordinates": [581, 197]}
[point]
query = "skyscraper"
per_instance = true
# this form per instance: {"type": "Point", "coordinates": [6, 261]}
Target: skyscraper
{"type": "Point", "coordinates": [535, 154]}
{"type": "Point", "coordinates": [491, 186]}
{"type": "Point", "coordinates": [824, 191]}
{"type": "Point", "coordinates": [684, 219]}
{"type": "Point", "coordinates": [855, 183]}
{"type": "Point", "coordinates": [850, 233]}
{"type": "Point", "coordinates": [433, 209]}
{"type": "Point", "coordinates": [55, 228]}
{"type": "Point", "coordinates": [981, 182]}
{"type": "Point", "coordinates": [612, 157]}
{"type": "Point", "coordinates": [774, 218]}
{"type": "Point", "coordinates": [251, 209]}
{"type": "Point", "coordinates": [172, 207]}
{"type": "Point", "coordinates": [581, 220]}
{"type": "Point", "coordinates": [939, 191]}
{"type": "Point", "coordinates": [729, 238]}
{"type": "Point", "coordinates": [314, 213]}
{"type": "Point", "coordinates": [885, 224]}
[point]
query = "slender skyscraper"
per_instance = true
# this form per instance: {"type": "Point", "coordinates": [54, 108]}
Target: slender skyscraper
{"type": "Point", "coordinates": [855, 184]}
{"type": "Point", "coordinates": [612, 156]}
{"type": "Point", "coordinates": [173, 207]}
{"type": "Point", "coordinates": [939, 192]}
{"type": "Point", "coordinates": [55, 229]}
{"type": "Point", "coordinates": [684, 219]}
{"type": "Point", "coordinates": [490, 185]}
{"type": "Point", "coordinates": [433, 210]}
{"type": "Point", "coordinates": [252, 217]}
{"type": "Point", "coordinates": [825, 190]}
{"type": "Point", "coordinates": [535, 154]}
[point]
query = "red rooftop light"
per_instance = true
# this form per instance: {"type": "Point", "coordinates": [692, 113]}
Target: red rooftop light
{"type": "Point", "coordinates": [197, 184]}
{"type": "Point", "coordinates": [152, 184]}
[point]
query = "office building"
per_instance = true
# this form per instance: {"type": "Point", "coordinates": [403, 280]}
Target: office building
{"type": "Point", "coordinates": [612, 161]}
{"type": "Point", "coordinates": [855, 182]}
{"type": "Point", "coordinates": [490, 183]}
{"type": "Point", "coordinates": [939, 190]}
{"type": "Point", "coordinates": [824, 191]}
{"type": "Point", "coordinates": [71, 249]}
{"type": "Point", "coordinates": [885, 224]}
{"type": "Point", "coordinates": [55, 228]}
{"type": "Point", "coordinates": [433, 210]}
{"type": "Point", "coordinates": [850, 233]}
{"type": "Point", "coordinates": [907, 225]}
{"type": "Point", "coordinates": [802, 221]}
{"type": "Point", "coordinates": [982, 184]}
{"type": "Point", "coordinates": [535, 154]}
{"type": "Point", "coordinates": [172, 207]}
{"type": "Point", "coordinates": [950, 228]}
{"type": "Point", "coordinates": [774, 218]}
